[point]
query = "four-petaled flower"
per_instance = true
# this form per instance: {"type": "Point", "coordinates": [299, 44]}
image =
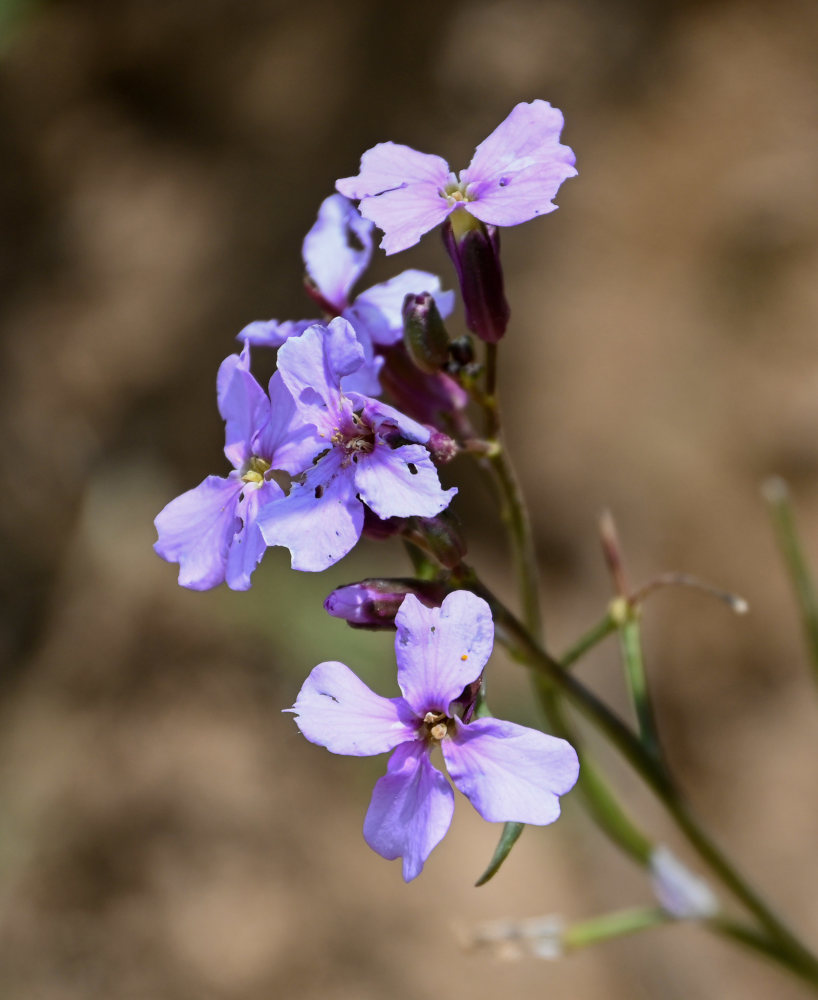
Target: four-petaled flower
{"type": "Point", "coordinates": [513, 177]}
{"type": "Point", "coordinates": [336, 252]}
{"type": "Point", "coordinates": [212, 530]}
{"type": "Point", "coordinates": [372, 454]}
{"type": "Point", "coordinates": [508, 772]}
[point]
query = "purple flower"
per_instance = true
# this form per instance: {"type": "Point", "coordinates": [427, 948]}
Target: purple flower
{"type": "Point", "coordinates": [212, 530]}
{"type": "Point", "coordinates": [507, 772]}
{"type": "Point", "coordinates": [373, 454]}
{"type": "Point", "coordinates": [513, 177]}
{"type": "Point", "coordinates": [336, 252]}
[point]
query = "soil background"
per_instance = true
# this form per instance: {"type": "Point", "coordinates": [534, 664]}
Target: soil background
{"type": "Point", "coordinates": [165, 833]}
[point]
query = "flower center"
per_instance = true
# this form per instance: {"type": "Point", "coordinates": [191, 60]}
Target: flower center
{"type": "Point", "coordinates": [356, 438]}
{"type": "Point", "coordinates": [456, 191]}
{"type": "Point", "coordinates": [437, 725]}
{"type": "Point", "coordinates": [256, 468]}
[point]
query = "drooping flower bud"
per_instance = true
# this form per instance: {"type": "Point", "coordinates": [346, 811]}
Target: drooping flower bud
{"type": "Point", "coordinates": [475, 252]}
{"type": "Point", "coordinates": [438, 536]}
{"type": "Point", "coordinates": [373, 604]}
{"type": "Point", "coordinates": [424, 334]}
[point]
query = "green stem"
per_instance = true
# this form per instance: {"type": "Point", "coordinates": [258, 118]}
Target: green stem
{"type": "Point", "coordinates": [607, 626]}
{"type": "Point", "coordinates": [777, 496]}
{"type": "Point", "coordinates": [613, 925]}
{"type": "Point", "coordinates": [630, 644]}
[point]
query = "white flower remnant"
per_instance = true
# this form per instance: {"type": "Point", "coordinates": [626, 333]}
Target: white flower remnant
{"type": "Point", "coordinates": [541, 937]}
{"type": "Point", "coordinates": [680, 893]}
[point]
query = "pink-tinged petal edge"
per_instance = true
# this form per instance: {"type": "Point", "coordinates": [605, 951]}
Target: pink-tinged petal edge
{"type": "Point", "coordinates": [509, 772]}
{"type": "Point", "coordinates": [441, 650]}
{"type": "Point", "coordinates": [411, 809]}
{"type": "Point", "coordinates": [336, 710]}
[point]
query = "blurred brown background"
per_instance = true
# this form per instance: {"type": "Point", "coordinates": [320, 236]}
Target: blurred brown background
{"type": "Point", "coordinates": [164, 831]}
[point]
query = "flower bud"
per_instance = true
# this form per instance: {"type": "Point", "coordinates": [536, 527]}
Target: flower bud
{"type": "Point", "coordinates": [374, 603]}
{"type": "Point", "coordinates": [441, 447]}
{"type": "Point", "coordinates": [426, 398]}
{"type": "Point", "coordinates": [424, 334]}
{"type": "Point", "coordinates": [438, 536]}
{"type": "Point", "coordinates": [475, 252]}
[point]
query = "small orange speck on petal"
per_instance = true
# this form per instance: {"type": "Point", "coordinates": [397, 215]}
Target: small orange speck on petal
{"type": "Point", "coordinates": [465, 656]}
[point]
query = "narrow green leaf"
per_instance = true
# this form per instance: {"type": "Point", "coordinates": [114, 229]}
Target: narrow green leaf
{"type": "Point", "coordinates": [508, 838]}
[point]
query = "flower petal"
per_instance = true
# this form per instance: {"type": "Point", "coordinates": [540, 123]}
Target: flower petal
{"type": "Point", "coordinates": [248, 545]}
{"type": "Point", "coordinates": [411, 809]}
{"type": "Point", "coordinates": [391, 165]}
{"type": "Point", "coordinates": [405, 214]}
{"type": "Point", "coordinates": [271, 332]}
{"type": "Point", "coordinates": [441, 650]}
{"type": "Point", "coordinates": [509, 772]}
{"type": "Point", "coordinates": [387, 298]}
{"type": "Point", "coordinates": [515, 173]}
{"type": "Point", "coordinates": [332, 259]}
{"type": "Point", "coordinates": [243, 404]}
{"type": "Point", "coordinates": [196, 530]}
{"type": "Point", "coordinates": [313, 365]}
{"type": "Point", "coordinates": [336, 710]}
{"type": "Point", "coordinates": [401, 482]}
{"type": "Point", "coordinates": [320, 520]}
{"type": "Point", "coordinates": [386, 420]}
{"type": "Point", "coordinates": [287, 441]}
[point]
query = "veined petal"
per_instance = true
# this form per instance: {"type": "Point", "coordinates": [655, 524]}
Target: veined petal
{"type": "Point", "coordinates": [336, 710]}
{"type": "Point", "coordinates": [248, 546]}
{"type": "Point", "coordinates": [196, 530]}
{"type": "Point", "coordinates": [313, 365]}
{"type": "Point", "coordinates": [509, 772]}
{"type": "Point", "coordinates": [525, 195]}
{"type": "Point", "coordinates": [272, 333]}
{"type": "Point", "coordinates": [405, 214]}
{"type": "Point", "coordinates": [333, 261]}
{"type": "Point", "coordinates": [391, 165]}
{"type": "Point", "coordinates": [441, 650]}
{"type": "Point", "coordinates": [387, 298]}
{"type": "Point", "coordinates": [411, 809]}
{"type": "Point", "coordinates": [319, 521]}
{"type": "Point", "coordinates": [243, 404]}
{"type": "Point", "coordinates": [383, 417]}
{"type": "Point", "coordinates": [401, 482]}
{"type": "Point", "coordinates": [287, 441]}
{"type": "Point", "coordinates": [529, 136]}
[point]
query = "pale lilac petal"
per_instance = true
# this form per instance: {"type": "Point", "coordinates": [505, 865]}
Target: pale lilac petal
{"type": "Point", "coordinates": [391, 165]}
{"type": "Point", "coordinates": [441, 650]}
{"type": "Point", "coordinates": [243, 405]}
{"type": "Point", "coordinates": [387, 298]}
{"type": "Point", "coordinates": [320, 520]}
{"type": "Point", "coordinates": [401, 482]}
{"type": "Point", "coordinates": [313, 364]}
{"type": "Point", "coordinates": [509, 772]}
{"type": "Point", "coordinates": [333, 260]}
{"type": "Point", "coordinates": [384, 418]}
{"type": "Point", "coordinates": [405, 214]}
{"type": "Point", "coordinates": [411, 809]}
{"type": "Point", "coordinates": [516, 172]}
{"type": "Point", "coordinates": [369, 323]}
{"type": "Point", "coordinates": [272, 333]}
{"type": "Point", "coordinates": [287, 441]}
{"type": "Point", "coordinates": [526, 195]}
{"type": "Point", "coordinates": [336, 710]}
{"type": "Point", "coordinates": [196, 530]}
{"type": "Point", "coordinates": [248, 545]}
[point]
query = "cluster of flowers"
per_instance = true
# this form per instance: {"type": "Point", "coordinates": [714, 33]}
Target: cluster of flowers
{"type": "Point", "coordinates": [316, 455]}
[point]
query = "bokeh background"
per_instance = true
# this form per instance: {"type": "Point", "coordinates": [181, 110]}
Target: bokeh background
{"type": "Point", "coordinates": [164, 831]}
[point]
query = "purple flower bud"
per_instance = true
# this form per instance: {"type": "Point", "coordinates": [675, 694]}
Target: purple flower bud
{"type": "Point", "coordinates": [441, 447]}
{"type": "Point", "coordinates": [426, 398]}
{"type": "Point", "coordinates": [424, 334]}
{"type": "Point", "coordinates": [475, 252]}
{"type": "Point", "coordinates": [439, 537]}
{"type": "Point", "coordinates": [373, 604]}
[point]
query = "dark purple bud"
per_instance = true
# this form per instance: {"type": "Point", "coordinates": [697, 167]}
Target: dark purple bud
{"type": "Point", "coordinates": [373, 604]}
{"type": "Point", "coordinates": [438, 537]}
{"type": "Point", "coordinates": [379, 529]}
{"type": "Point", "coordinates": [475, 253]}
{"type": "Point", "coordinates": [424, 334]}
{"type": "Point", "coordinates": [429, 399]}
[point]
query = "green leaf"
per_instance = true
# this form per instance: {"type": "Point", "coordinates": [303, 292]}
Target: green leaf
{"type": "Point", "coordinates": [508, 838]}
